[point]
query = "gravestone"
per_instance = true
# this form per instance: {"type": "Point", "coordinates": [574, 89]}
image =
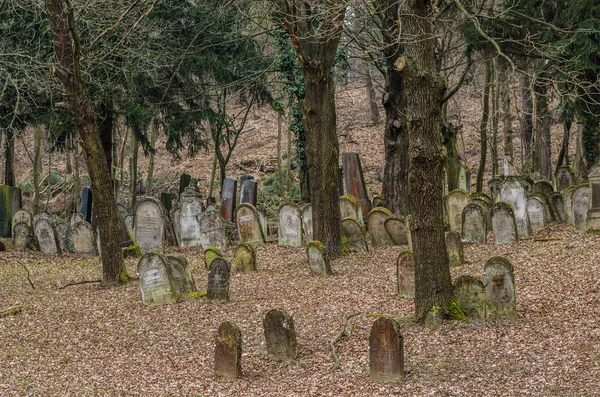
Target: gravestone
{"type": "Point", "coordinates": [6, 213]}
{"type": "Point", "coordinates": [504, 225]}
{"type": "Point", "coordinates": [149, 225]}
{"type": "Point", "coordinates": [16, 199]}
{"type": "Point", "coordinates": [514, 192]}
{"type": "Point", "coordinates": [486, 202]}
{"type": "Point", "coordinates": [166, 200]}
{"type": "Point", "coordinates": [354, 234]}
{"type": "Point", "coordinates": [290, 225]}
{"type": "Point", "coordinates": [280, 336]}
{"type": "Point", "coordinates": [563, 178]}
{"type": "Point", "coordinates": [543, 187]}
{"type": "Point", "coordinates": [180, 274]}
{"type": "Point", "coordinates": [580, 207]}
{"type": "Point", "coordinates": [470, 294]}
{"type": "Point", "coordinates": [210, 254]}
{"type": "Point", "coordinates": [464, 178]}
{"type": "Point", "coordinates": [245, 258]}
{"type": "Point", "coordinates": [559, 204]}
{"type": "Point", "coordinates": [191, 208]}
{"type": "Point", "coordinates": [454, 248]}
{"type": "Point", "coordinates": [63, 233]}
{"type": "Point", "coordinates": [350, 208]}
{"type": "Point", "coordinates": [397, 229]}
{"type": "Point", "coordinates": [228, 198]}
{"type": "Point", "coordinates": [86, 204]}
{"type": "Point", "coordinates": [82, 236]}
{"type": "Point", "coordinates": [307, 222]}
{"type": "Point", "coordinates": [228, 351]}
{"type": "Point", "coordinates": [376, 227]}
{"type": "Point", "coordinates": [46, 237]}
{"type": "Point", "coordinates": [405, 275]}
{"type": "Point", "coordinates": [593, 213]}
{"type": "Point", "coordinates": [212, 232]}
{"type": "Point", "coordinates": [248, 224]}
{"type": "Point", "coordinates": [249, 192]}
{"type": "Point", "coordinates": [22, 235]}
{"type": "Point", "coordinates": [474, 229]}
{"type": "Point", "coordinates": [355, 181]}
{"type": "Point", "coordinates": [184, 181]}
{"type": "Point", "coordinates": [386, 351]}
{"type": "Point", "coordinates": [537, 214]}
{"type": "Point", "coordinates": [262, 220]}
{"type": "Point", "coordinates": [495, 185]}
{"type": "Point", "coordinates": [318, 259]}
{"type": "Point", "coordinates": [499, 282]}
{"type": "Point", "coordinates": [155, 283]}
{"type": "Point", "coordinates": [176, 220]}
{"type": "Point", "coordinates": [378, 201]}
{"type": "Point", "coordinates": [456, 201]}
{"type": "Point", "coordinates": [218, 281]}
{"type": "Point", "coordinates": [22, 216]}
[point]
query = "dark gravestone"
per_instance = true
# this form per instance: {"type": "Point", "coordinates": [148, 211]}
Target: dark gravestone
{"type": "Point", "coordinates": [243, 179]}
{"type": "Point", "coordinates": [470, 294]}
{"type": "Point", "coordinates": [249, 193]}
{"type": "Point", "coordinates": [86, 204]}
{"type": "Point", "coordinates": [386, 351]}
{"type": "Point", "coordinates": [503, 223]}
{"type": "Point", "coordinates": [180, 274]}
{"type": "Point", "coordinates": [499, 281]}
{"type": "Point", "coordinates": [155, 283]}
{"type": "Point", "coordinates": [543, 187]}
{"type": "Point", "coordinates": [5, 211]}
{"type": "Point", "coordinates": [228, 351]}
{"type": "Point", "coordinates": [184, 181]}
{"type": "Point", "coordinates": [405, 272]}
{"type": "Point", "coordinates": [355, 181]}
{"type": "Point", "coordinates": [354, 234]}
{"type": "Point", "coordinates": [474, 229]}
{"type": "Point", "coordinates": [218, 281]}
{"type": "Point", "coordinates": [166, 199]}
{"type": "Point", "coordinates": [280, 336]}
{"type": "Point", "coordinates": [245, 258]}
{"type": "Point", "coordinates": [397, 229]}
{"type": "Point", "coordinates": [454, 248]}
{"type": "Point", "coordinates": [21, 236]}
{"type": "Point", "coordinates": [559, 204]}
{"type": "Point", "coordinates": [228, 199]}
{"type": "Point", "coordinates": [318, 260]}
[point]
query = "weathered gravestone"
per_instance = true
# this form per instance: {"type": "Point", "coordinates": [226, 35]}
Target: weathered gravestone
{"type": "Point", "coordinates": [184, 181]}
{"type": "Point", "coordinates": [149, 225]}
{"type": "Point", "coordinates": [46, 237]}
{"type": "Point", "coordinates": [464, 178]}
{"type": "Point", "coordinates": [228, 198]}
{"type": "Point", "coordinates": [474, 229]}
{"type": "Point", "coordinates": [156, 285]}
{"type": "Point", "coordinates": [350, 208]}
{"type": "Point", "coordinates": [355, 181]}
{"type": "Point", "coordinates": [504, 226]}
{"type": "Point", "coordinates": [376, 227]}
{"type": "Point", "coordinates": [63, 234]}
{"type": "Point", "coordinates": [245, 258]}
{"type": "Point", "coordinates": [495, 185]}
{"type": "Point", "coordinates": [191, 208]}
{"type": "Point", "coordinates": [593, 214]}
{"type": "Point", "coordinates": [290, 225]}
{"type": "Point", "coordinates": [486, 202]}
{"type": "Point", "coordinates": [307, 223]}
{"type": "Point", "coordinates": [378, 201]}
{"type": "Point", "coordinates": [470, 294]}
{"type": "Point", "coordinates": [559, 205]}
{"type": "Point", "coordinates": [210, 254]}
{"type": "Point", "coordinates": [5, 211]}
{"type": "Point", "coordinates": [386, 351]}
{"type": "Point", "coordinates": [563, 178]}
{"type": "Point", "coordinates": [212, 232]}
{"type": "Point", "coordinates": [354, 234]}
{"type": "Point", "coordinates": [499, 282]}
{"type": "Point", "coordinates": [454, 248]}
{"type": "Point", "coordinates": [262, 220]}
{"type": "Point", "coordinates": [86, 204]}
{"type": "Point", "coordinates": [228, 351]}
{"type": "Point", "coordinates": [180, 274]}
{"type": "Point", "coordinates": [218, 281]}
{"type": "Point", "coordinates": [405, 275]}
{"type": "Point", "coordinates": [456, 201]}
{"type": "Point", "coordinates": [249, 192]}
{"type": "Point", "coordinates": [247, 220]}
{"type": "Point", "coordinates": [580, 207]}
{"type": "Point", "coordinates": [318, 259]}
{"type": "Point", "coordinates": [22, 235]}
{"type": "Point", "coordinates": [82, 236]}
{"type": "Point", "coordinates": [536, 214]}
{"type": "Point", "coordinates": [280, 336]}
{"type": "Point", "coordinates": [397, 229]}
{"type": "Point", "coordinates": [22, 216]}
{"type": "Point", "coordinates": [514, 192]}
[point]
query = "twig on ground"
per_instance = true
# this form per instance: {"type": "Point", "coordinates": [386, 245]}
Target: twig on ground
{"type": "Point", "coordinates": [28, 276]}
{"type": "Point", "coordinates": [10, 311]}
{"type": "Point", "coordinates": [80, 282]}
{"type": "Point", "coordinates": [343, 333]}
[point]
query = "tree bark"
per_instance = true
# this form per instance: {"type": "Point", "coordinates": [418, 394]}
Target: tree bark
{"type": "Point", "coordinates": [37, 146]}
{"type": "Point", "coordinates": [542, 135]}
{"type": "Point", "coordinates": [375, 116]}
{"type": "Point", "coordinates": [151, 160]}
{"type": "Point", "coordinates": [483, 126]}
{"type": "Point", "coordinates": [526, 122]}
{"type": "Point", "coordinates": [133, 169]}
{"type": "Point", "coordinates": [9, 153]}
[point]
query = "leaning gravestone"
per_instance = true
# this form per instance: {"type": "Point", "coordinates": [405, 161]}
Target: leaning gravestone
{"type": "Point", "coordinates": [210, 254]}
{"type": "Point", "coordinates": [46, 237]}
{"type": "Point", "coordinates": [280, 336]}
{"type": "Point", "coordinates": [212, 232]}
{"type": "Point", "coordinates": [5, 211]}
{"type": "Point", "coordinates": [86, 204]}
{"type": "Point", "coordinates": [514, 192]}
{"type": "Point", "coordinates": [580, 207]}
{"type": "Point", "coordinates": [350, 208]}
{"type": "Point", "coordinates": [307, 222]}
{"type": "Point", "coordinates": [405, 275]}
{"type": "Point", "coordinates": [474, 229]}
{"type": "Point", "coordinates": [228, 351]}
{"type": "Point", "coordinates": [536, 213]}
{"type": "Point", "coordinates": [354, 234]}
{"type": "Point", "coordinates": [559, 204]}
{"type": "Point", "coordinates": [290, 225]}
{"type": "Point", "coordinates": [21, 236]}
{"type": "Point", "coordinates": [149, 225]}
{"type": "Point", "coordinates": [228, 198]}
{"type": "Point", "coordinates": [155, 283]}
{"type": "Point", "coordinates": [82, 236]}
{"type": "Point", "coordinates": [397, 229]}
{"type": "Point", "coordinates": [218, 281]}
{"type": "Point", "coordinates": [180, 274]}
{"type": "Point", "coordinates": [563, 178]}
{"type": "Point", "coordinates": [376, 227]}
{"type": "Point", "coordinates": [245, 258]}
{"type": "Point", "coordinates": [499, 282]}
{"type": "Point", "coordinates": [355, 181]}
{"type": "Point", "coordinates": [454, 248]}
{"type": "Point", "coordinates": [456, 201]}
{"type": "Point", "coordinates": [504, 226]}
{"type": "Point", "coordinates": [386, 351]}
{"type": "Point", "coordinates": [191, 208]}
{"type": "Point", "coordinates": [247, 220]}
{"type": "Point", "coordinates": [318, 260]}
{"type": "Point", "coordinates": [470, 294]}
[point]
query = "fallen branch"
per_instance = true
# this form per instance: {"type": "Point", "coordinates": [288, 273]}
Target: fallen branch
{"type": "Point", "coordinates": [343, 333]}
{"type": "Point", "coordinates": [80, 282]}
{"type": "Point", "coordinates": [10, 311]}
{"type": "Point", "coordinates": [28, 276]}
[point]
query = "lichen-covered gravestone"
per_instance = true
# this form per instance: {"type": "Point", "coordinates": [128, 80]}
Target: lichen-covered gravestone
{"type": "Point", "coordinates": [218, 281]}
{"type": "Point", "coordinates": [376, 227]}
{"type": "Point", "coordinates": [191, 208]}
{"type": "Point", "coordinates": [210, 254]}
{"type": "Point", "coordinates": [504, 226]}
{"type": "Point", "coordinates": [378, 201]}
{"type": "Point", "coordinates": [46, 237]}
{"type": "Point", "coordinates": [514, 192]}
{"type": "Point", "coordinates": [149, 225]}
{"type": "Point", "coordinates": [318, 260]}
{"type": "Point", "coordinates": [212, 232]}
{"type": "Point", "coordinates": [474, 229]}
{"type": "Point", "coordinates": [247, 220]}
{"type": "Point", "coordinates": [245, 258]}
{"type": "Point", "coordinates": [307, 223]}
{"type": "Point", "coordinates": [536, 213]}
{"type": "Point", "coordinates": [350, 208]}
{"type": "Point", "coordinates": [82, 236]}
{"type": "Point", "coordinates": [155, 283]}
{"type": "Point", "coordinates": [386, 351]}
{"type": "Point", "coordinates": [470, 294]}
{"type": "Point", "coordinates": [456, 201]}
{"type": "Point", "coordinates": [354, 234]}
{"type": "Point", "coordinates": [21, 236]}
{"type": "Point", "coordinates": [405, 272]}
{"type": "Point", "coordinates": [499, 281]}
{"type": "Point", "coordinates": [180, 274]}
{"type": "Point", "coordinates": [22, 216]}
{"type": "Point", "coordinates": [454, 248]}
{"type": "Point", "coordinates": [290, 225]}
{"type": "Point", "coordinates": [397, 229]}
{"type": "Point", "coordinates": [228, 351]}
{"type": "Point", "coordinates": [280, 336]}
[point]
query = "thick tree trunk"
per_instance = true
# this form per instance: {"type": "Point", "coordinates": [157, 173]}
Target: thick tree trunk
{"type": "Point", "coordinates": [483, 126]}
{"type": "Point", "coordinates": [37, 147]}
{"type": "Point", "coordinates": [151, 160]}
{"type": "Point", "coordinates": [133, 169]}
{"type": "Point", "coordinates": [495, 92]}
{"type": "Point", "coordinates": [107, 119]}
{"type": "Point", "coordinates": [9, 157]}
{"type": "Point", "coordinates": [424, 91]}
{"type": "Point", "coordinates": [453, 165]}
{"type": "Point", "coordinates": [507, 125]}
{"type": "Point", "coordinates": [542, 133]}
{"type": "Point", "coordinates": [526, 122]}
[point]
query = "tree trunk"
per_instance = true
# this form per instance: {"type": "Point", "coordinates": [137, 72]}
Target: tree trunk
{"type": "Point", "coordinates": [453, 165]}
{"type": "Point", "coordinates": [526, 122]}
{"type": "Point", "coordinates": [424, 92]}
{"type": "Point", "coordinates": [279, 168]}
{"type": "Point", "coordinates": [37, 147]}
{"type": "Point", "coordinates": [495, 116]}
{"type": "Point", "coordinates": [133, 169]}
{"type": "Point", "coordinates": [151, 160]}
{"type": "Point", "coordinates": [9, 153]}
{"type": "Point", "coordinates": [563, 155]}
{"type": "Point", "coordinates": [76, 182]}
{"type": "Point", "coordinates": [107, 119]}
{"type": "Point", "coordinates": [542, 134]}
{"type": "Point", "coordinates": [507, 125]}
{"type": "Point", "coordinates": [375, 116]}
{"type": "Point", "coordinates": [395, 136]}
{"type": "Point", "coordinates": [483, 126]}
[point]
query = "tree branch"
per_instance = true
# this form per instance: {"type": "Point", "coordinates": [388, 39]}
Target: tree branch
{"type": "Point", "coordinates": [343, 333]}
